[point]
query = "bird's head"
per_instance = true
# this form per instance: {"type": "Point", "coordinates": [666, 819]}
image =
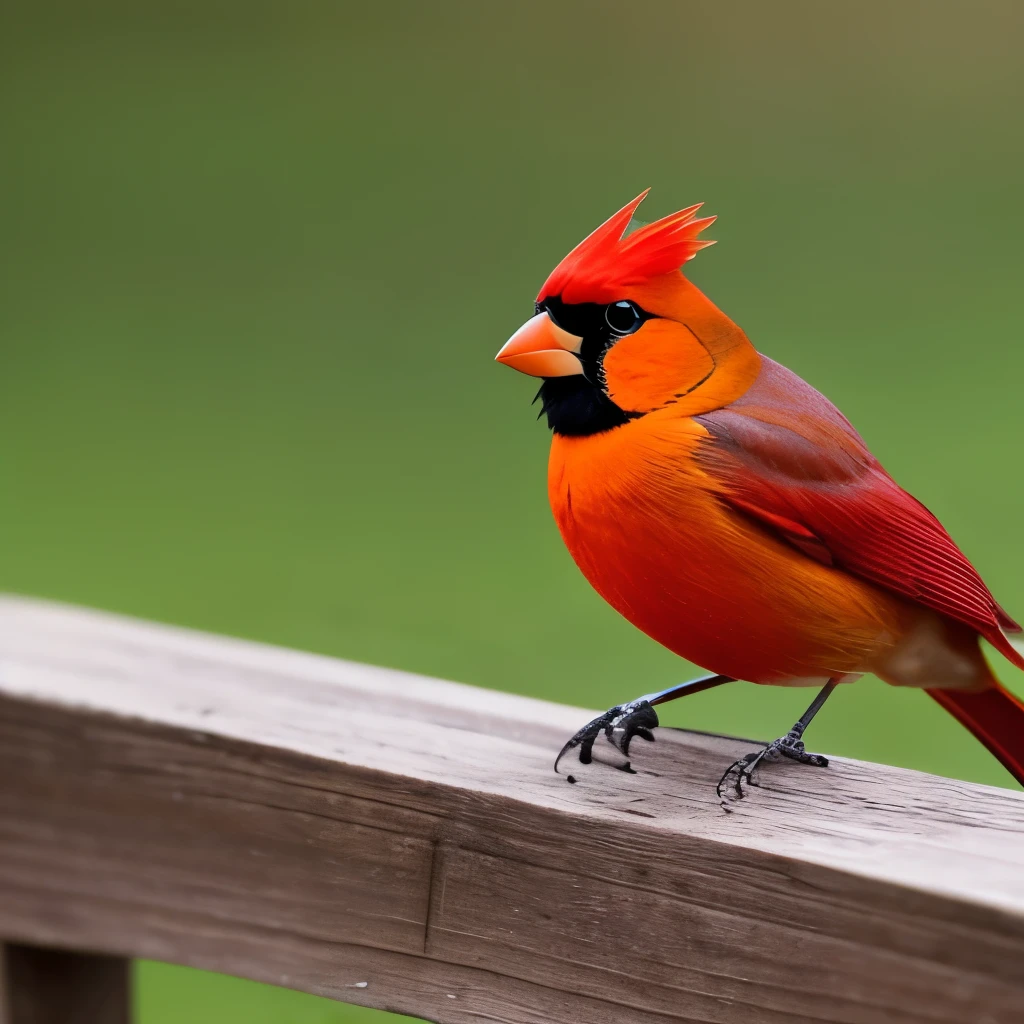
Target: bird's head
{"type": "Point", "coordinates": [620, 333]}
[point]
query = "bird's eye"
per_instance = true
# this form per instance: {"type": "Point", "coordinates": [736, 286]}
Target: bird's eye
{"type": "Point", "coordinates": [622, 317]}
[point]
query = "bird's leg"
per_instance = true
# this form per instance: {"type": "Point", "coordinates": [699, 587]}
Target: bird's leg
{"type": "Point", "coordinates": [637, 718]}
{"type": "Point", "coordinates": [791, 745]}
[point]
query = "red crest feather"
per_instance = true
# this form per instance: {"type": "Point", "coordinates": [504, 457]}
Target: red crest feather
{"type": "Point", "coordinates": [605, 263]}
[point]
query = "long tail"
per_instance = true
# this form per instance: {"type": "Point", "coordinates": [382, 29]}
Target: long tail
{"type": "Point", "coordinates": [996, 717]}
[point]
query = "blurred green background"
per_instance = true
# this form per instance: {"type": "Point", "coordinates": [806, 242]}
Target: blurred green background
{"type": "Point", "coordinates": [257, 259]}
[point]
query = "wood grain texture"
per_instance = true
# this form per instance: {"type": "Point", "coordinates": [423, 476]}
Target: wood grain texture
{"type": "Point", "coordinates": [401, 842]}
{"type": "Point", "coordinates": [51, 986]}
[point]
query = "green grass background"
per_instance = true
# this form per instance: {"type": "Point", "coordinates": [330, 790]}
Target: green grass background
{"type": "Point", "coordinates": [255, 261]}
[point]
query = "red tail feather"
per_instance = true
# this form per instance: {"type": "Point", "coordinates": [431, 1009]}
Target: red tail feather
{"type": "Point", "coordinates": [996, 717]}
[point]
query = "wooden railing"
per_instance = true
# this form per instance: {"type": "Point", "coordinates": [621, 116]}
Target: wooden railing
{"type": "Point", "coordinates": [401, 842]}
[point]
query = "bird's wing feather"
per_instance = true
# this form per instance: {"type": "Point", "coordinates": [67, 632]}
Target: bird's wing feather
{"type": "Point", "coordinates": [786, 457]}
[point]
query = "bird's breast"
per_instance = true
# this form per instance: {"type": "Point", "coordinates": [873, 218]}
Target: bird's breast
{"type": "Point", "coordinates": [640, 516]}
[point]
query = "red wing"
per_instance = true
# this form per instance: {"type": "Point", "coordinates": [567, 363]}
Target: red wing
{"type": "Point", "coordinates": [784, 455]}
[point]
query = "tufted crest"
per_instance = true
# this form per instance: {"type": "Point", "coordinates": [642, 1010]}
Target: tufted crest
{"type": "Point", "coordinates": [605, 263]}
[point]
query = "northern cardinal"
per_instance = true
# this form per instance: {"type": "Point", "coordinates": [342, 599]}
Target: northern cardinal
{"type": "Point", "coordinates": [732, 513]}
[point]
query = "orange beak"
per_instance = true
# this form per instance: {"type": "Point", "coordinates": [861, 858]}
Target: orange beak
{"type": "Point", "coordinates": [542, 349]}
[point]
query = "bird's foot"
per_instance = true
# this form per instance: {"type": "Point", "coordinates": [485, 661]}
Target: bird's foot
{"type": "Point", "coordinates": [620, 724]}
{"type": "Point", "coordinates": [743, 771]}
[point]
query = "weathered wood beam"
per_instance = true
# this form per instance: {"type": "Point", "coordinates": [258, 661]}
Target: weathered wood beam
{"type": "Point", "coordinates": [401, 842]}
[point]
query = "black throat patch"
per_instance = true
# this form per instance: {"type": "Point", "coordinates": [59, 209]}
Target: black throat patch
{"type": "Point", "coordinates": [575, 407]}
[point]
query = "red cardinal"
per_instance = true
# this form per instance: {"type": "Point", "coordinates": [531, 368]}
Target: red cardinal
{"type": "Point", "coordinates": [732, 513]}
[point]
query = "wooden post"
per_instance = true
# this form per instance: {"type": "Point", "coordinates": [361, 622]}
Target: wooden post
{"type": "Point", "coordinates": [51, 986]}
{"type": "Point", "coordinates": [402, 842]}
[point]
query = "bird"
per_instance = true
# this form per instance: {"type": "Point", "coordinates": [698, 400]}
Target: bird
{"type": "Point", "coordinates": [732, 513]}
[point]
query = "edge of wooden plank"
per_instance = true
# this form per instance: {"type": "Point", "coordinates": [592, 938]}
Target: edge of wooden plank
{"type": "Point", "coordinates": [920, 830]}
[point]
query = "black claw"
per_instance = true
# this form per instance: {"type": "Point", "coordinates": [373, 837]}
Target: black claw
{"type": "Point", "coordinates": [620, 724]}
{"type": "Point", "coordinates": [627, 737]}
{"type": "Point", "coordinates": [586, 750]}
{"type": "Point", "coordinates": [584, 739]}
{"type": "Point", "coordinates": [638, 720]}
{"type": "Point", "coordinates": [746, 767]}
{"type": "Point", "coordinates": [796, 752]}
{"type": "Point", "coordinates": [736, 766]}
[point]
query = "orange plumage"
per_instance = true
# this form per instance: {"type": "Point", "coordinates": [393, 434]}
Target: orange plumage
{"type": "Point", "coordinates": [728, 509]}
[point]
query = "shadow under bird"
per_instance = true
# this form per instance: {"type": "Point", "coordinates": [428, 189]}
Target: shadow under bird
{"type": "Point", "coordinates": [732, 513]}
